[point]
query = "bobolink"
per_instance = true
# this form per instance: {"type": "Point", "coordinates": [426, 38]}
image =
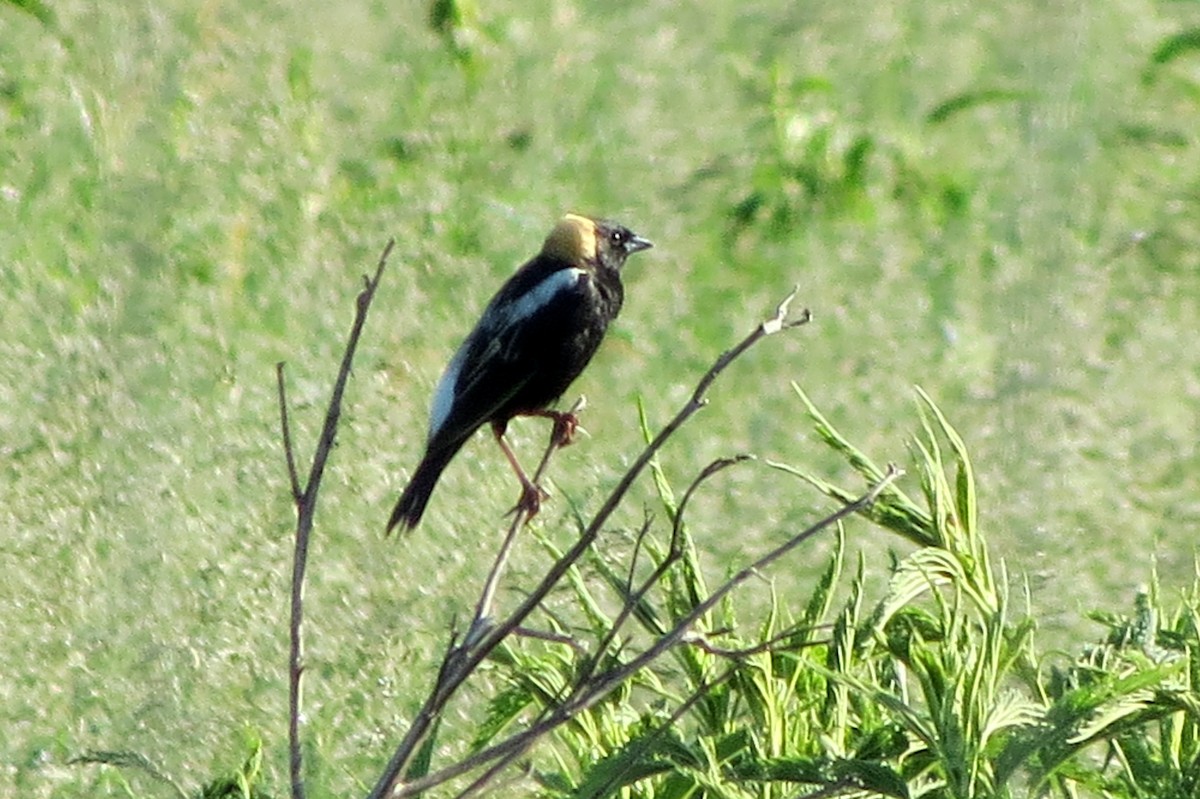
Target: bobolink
{"type": "Point", "coordinates": [534, 338]}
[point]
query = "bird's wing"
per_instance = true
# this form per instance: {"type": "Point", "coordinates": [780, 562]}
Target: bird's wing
{"type": "Point", "coordinates": [494, 363]}
{"type": "Point", "coordinates": [493, 372]}
{"type": "Point", "coordinates": [483, 376]}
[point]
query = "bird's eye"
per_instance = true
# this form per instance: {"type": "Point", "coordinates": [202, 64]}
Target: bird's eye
{"type": "Point", "coordinates": [616, 238]}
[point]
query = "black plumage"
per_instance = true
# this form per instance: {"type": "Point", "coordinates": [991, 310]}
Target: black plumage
{"type": "Point", "coordinates": [534, 338]}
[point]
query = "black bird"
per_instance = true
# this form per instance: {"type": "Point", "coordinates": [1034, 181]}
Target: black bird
{"type": "Point", "coordinates": [534, 338]}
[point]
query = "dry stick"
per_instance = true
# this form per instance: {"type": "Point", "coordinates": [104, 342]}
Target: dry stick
{"type": "Point", "coordinates": [554, 638]}
{"type": "Point", "coordinates": [483, 608]}
{"type": "Point", "coordinates": [293, 476]}
{"type": "Point", "coordinates": [462, 661]}
{"type": "Point", "coordinates": [638, 541]}
{"type": "Point", "coordinates": [603, 684]}
{"type": "Point", "coordinates": [306, 504]}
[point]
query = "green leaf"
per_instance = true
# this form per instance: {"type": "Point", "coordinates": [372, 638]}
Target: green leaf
{"type": "Point", "coordinates": [822, 595]}
{"type": "Point", "coordinates": [36, 9]}
{"type": "Point", "coordinates": [661, 485]}
{"type": "Point", "coordinates": [893, 509]}
{"type": "Point", "coordinates": [972, 99]}
{"type": "Point", "coordinates": [864, 775]}
{"type": "Point", "coordinates": [654, 751]}
{"type": "Point", "coordinates": [1175, 46]}
{"type": "Point", "coordinates": [503, 709]}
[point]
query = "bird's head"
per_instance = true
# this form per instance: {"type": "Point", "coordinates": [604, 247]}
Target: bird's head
{"type": "Point", "coordinates": [585, 241]}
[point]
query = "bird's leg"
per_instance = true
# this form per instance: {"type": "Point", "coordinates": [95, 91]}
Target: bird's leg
{"type": "Point", "coordinates": [531, 494]}
{"type": "Point", "coordinates": [566, 424]}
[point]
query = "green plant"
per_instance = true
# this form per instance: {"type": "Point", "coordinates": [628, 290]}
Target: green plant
{"type": "Point", "coordinates": [936, 691]}
{"type": "Point", "coordinates": [808, 157]}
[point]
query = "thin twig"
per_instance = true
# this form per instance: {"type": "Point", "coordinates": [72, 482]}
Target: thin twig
{"type": "Point", "coordinates": [784, 638]}
{"type": "Point", "coordinates": [673, 555]}
{"type": "Point", "coordinates": [128, 760]}
{"type": "Point", "coordinates": [286, 433]}
{"type": "Point", "coordinates": [483, 608]}
{"type": "Point", "coordinates": [638, 542]}
{"type": "Point", "coordinates": [306, 505]}
{"type": "Point", "coordinates": [552, 637]}
{"type": "Point", "coordinates": [468, 657]}
{"type": "Point", "coordinates": [719, 465]}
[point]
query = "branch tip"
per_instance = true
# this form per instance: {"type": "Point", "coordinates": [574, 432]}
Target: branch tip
{"type": "Point", "coordinates": [891, 474]}
{"type": "Point", "coordinates": [804, 318]}
{"type": "Point", "coordinates": [724, 463]}
{"type": "Point", "coordinates": [780, 320]}
{"type": "Point", "coordinates": [305, 500]}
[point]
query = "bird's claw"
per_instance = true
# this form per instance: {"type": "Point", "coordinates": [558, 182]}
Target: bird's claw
{"type": "Point", "coordinates": [566, 426]}
{"type": "Point", "coordinates": [530, 502]}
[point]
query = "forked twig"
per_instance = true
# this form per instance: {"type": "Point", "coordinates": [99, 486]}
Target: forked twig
{"type": "Point", "coordinates": [462, 660]}
{"type": "Point", "coordinates": [634, 597]}
{"type": "Point", "coordinates": [285, 431]}
{"type": "Point", "coordinates": [306, 503]}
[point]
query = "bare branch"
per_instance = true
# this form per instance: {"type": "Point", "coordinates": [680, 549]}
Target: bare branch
{"type": "Point", "coordinates": [285, 432]}
{"type": "Point", "coordinates": [546, 635]}
{"type": "Point", "coordinates": [306, 504]}
{"type": "Point", "coordinates": [638, 542]}
{"type": "Point", "coordinates": [708, 471]}
{"type": "Point", "coordinates": [334, 412]}
{"type": "Point", "coordinates": [768, 327]}
{"type": "Point", "coordinates": [483, 608]}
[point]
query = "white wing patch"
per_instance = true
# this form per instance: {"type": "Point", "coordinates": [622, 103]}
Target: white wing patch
{"type": "Point", "coordinates": [534, 299]}
{"type": "Point", "coordinates": [443, 395]}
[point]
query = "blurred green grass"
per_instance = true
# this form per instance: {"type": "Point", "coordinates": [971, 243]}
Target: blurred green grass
{"type": "Point", "coordinates": [997, 203]}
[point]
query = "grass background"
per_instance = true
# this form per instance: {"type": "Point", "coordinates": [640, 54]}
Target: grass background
{"type": "Point", "coordinates": [997, 202]}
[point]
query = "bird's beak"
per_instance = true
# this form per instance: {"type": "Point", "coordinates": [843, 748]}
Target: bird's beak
{"type": "Point", "coordinates": [636, 243]}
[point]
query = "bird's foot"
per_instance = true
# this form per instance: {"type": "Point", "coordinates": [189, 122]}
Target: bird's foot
{"type": "Point", "coordinates": [566, 426]}
{"type": "Point", "coordinates": [531, 500]}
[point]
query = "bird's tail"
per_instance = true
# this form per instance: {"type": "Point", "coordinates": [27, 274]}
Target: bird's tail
{"type": "Point", "coordinates": [416, 494]}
